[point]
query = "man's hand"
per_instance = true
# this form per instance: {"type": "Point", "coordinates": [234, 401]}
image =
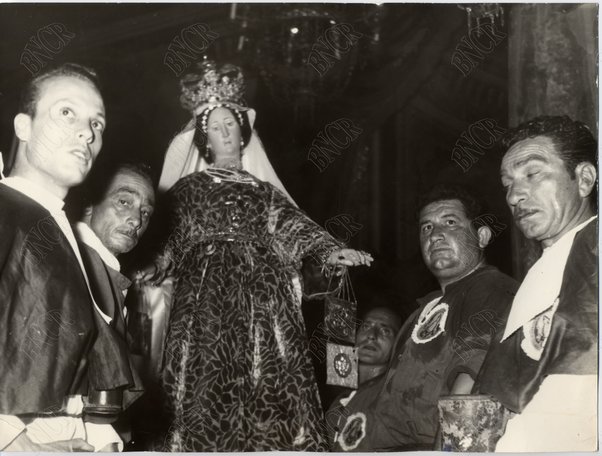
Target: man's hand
{"type": "Point", "coordinates": [153, 273]}
{"type": "Point", "coordinates": [23, 443]}
{"type": "Point", "coordinates": [462, 384]}
{"type": "Point", "coordinates": [110, 448]}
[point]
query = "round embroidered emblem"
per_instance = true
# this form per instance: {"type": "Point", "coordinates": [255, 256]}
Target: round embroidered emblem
{"type": "Point", "coordinates": [342, 365]}
{"type": "Point", "coordinates": [540, 330]}
{"type": "Point", "coordinates": [431, 322]}
{"type": "Point", "coordinates": [537, 331]}
{"type": "Point", "coordinates": [353, 432]}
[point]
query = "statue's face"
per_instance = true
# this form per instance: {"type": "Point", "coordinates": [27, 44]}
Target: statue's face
{"type": "Point", "coordinates": [223, 134]}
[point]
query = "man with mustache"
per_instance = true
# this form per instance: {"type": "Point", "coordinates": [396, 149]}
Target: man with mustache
{"type": "Point", "coordinates": [121, 200]}
{"type": "Point", "coordinates": [544, 367]}
{"type": "Point", "coordinates": [441, 346]}
{"type": "Point", "coordinates": [112, 225]}
{"type": "Point", "coordinates": [56, 342]}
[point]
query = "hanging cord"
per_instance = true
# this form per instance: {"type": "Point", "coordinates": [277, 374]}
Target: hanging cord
{"type": "Point", "coordinates": [348, 292]}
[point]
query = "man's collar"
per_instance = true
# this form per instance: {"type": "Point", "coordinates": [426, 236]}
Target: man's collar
{"type": "Point", "coordinates": [569, 235]}
{"type": "Point", "coordinates": [36, 192]}
{"type": "Point", "coordinates": [541, 286]}
{"type": "Point", "coordinates": [478, 267]}
{"type": "Point", "coordinates": [89, 237]}
{"type": "Point", "coordinates": [429, 297]}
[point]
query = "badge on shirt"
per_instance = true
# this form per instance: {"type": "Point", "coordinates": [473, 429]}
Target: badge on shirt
{"type": "Point", "coordinates": [536, 333]}
{"type": "Point", "coordinates": [431, 322]}
{"type": "Point", "coordinates": [353, 432]}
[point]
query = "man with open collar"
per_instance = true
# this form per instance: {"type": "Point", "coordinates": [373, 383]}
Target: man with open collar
{"type": "Point", "coordinates": [120, 200]}
{"type": "Point", "coordinates": [544, 365]}
{"type": "Point", "coordinates": [440, 348]}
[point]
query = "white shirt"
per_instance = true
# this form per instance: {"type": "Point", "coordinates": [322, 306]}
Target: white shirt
{"type": "Point", "coordinates": [541, 286]}
{"type": "Point", "coordinates": [562, 414]}
{"type": "Point", "coordinates": [44, 430]}
{"type": "Point", "coordinates": [89, 237]}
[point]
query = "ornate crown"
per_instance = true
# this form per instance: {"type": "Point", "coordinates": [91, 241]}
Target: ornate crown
{"type": "Point", "coordinates": [206, 83]}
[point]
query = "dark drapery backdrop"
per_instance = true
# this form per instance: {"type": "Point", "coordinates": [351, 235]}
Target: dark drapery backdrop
{"type": "Point", "coordinates": [553, 63]}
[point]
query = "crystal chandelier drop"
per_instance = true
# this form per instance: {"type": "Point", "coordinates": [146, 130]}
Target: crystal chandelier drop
{"type": "Point", "coordinates": [480, 12]}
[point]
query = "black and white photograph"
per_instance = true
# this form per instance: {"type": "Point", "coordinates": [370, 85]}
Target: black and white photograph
{"type": "Point", "coordinates": [317, 227]}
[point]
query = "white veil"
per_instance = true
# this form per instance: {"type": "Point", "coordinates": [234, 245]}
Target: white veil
{"type": "Point", "coordinates": [183, 158]}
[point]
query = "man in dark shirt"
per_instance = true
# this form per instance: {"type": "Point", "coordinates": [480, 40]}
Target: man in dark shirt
{"type": "Point", "coordinates": [374, 341]}
{"type": "Point", "coordinates": [441, 346]}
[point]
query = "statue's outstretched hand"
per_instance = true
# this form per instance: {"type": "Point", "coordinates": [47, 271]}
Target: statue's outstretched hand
{"type": "Point", "coordinates": [350, 257]}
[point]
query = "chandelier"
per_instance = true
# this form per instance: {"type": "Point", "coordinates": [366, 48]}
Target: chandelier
{"type": "Point", "coordinates": [307, 53]}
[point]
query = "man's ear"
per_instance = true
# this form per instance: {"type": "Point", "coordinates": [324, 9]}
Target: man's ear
{"type": "Point", "coordinates": [22, 125]}
{"type": "Point", "coordinates": [484, 234]}
{"type": "Point", "coordinates": [586, 178]}
{"type": "Point", "coordinates": [87, 214]}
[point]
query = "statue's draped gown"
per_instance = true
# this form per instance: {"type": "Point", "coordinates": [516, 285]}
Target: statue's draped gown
{"type": "Point", "coordinates": [238, 374]}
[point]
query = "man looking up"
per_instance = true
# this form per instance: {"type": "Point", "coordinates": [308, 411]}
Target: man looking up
{"type": "Point", "coordinates": [50, 322]}
{"type": "Point", "coordinates": [374, 341]}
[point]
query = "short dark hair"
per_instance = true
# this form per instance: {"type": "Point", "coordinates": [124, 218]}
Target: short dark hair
{"type": "Point", "coordinates": [382, 305]}
{"type": "Point", "coordinates": [200, 135]}
{"type": "Point", "coordinates": [31, 91]}
{"type": "Point", "coordinates": [573, 140]}
{"type": "Point", "coordinates": [473, 207]}
{"type": "Point", "coordinates": [98, 183]}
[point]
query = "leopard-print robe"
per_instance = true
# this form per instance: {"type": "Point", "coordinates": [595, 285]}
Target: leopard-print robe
{"type": "Point", "coordinates": [238, 373]}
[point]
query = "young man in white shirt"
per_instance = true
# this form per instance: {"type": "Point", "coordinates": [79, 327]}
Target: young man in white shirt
{"type": "Point", "coordinates": [53, 331]}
